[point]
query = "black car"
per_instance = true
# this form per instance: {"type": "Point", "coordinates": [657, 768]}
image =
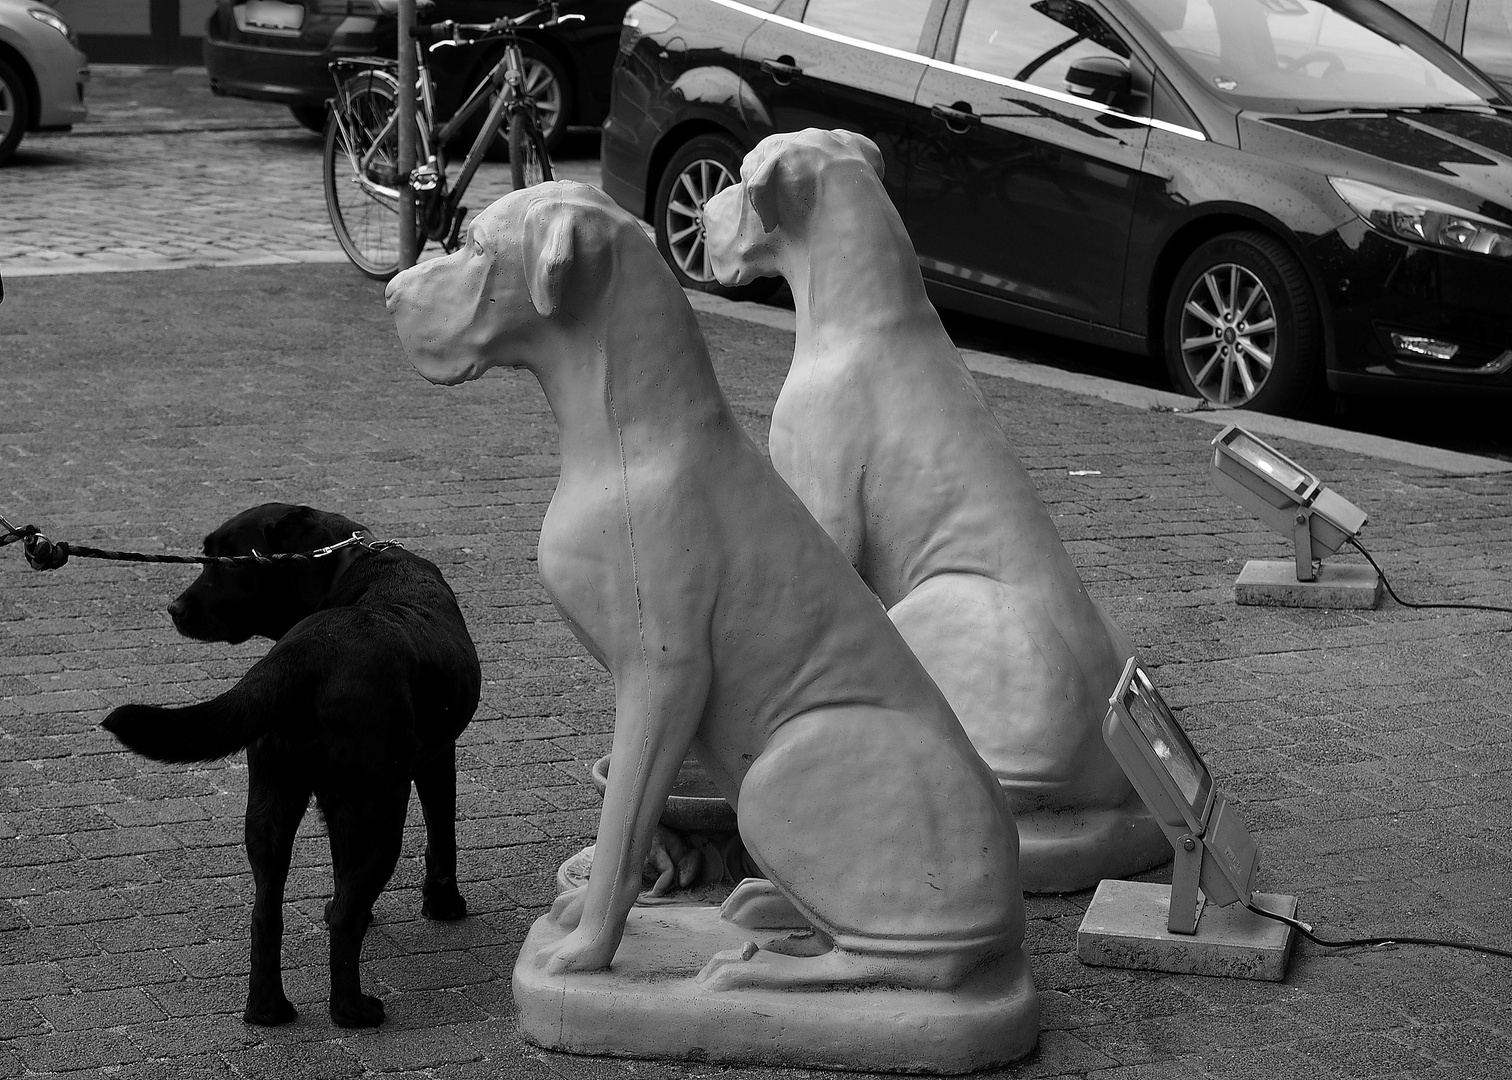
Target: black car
{"type": "Point", "coordinates": [279, 50]}
{"type": "Point", "coordinates": [1276, 195]}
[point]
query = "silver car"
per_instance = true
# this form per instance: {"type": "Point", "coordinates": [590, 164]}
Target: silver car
{"type": "Point", "coordinates": [42, 73]}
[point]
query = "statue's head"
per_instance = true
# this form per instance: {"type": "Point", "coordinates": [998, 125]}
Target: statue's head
{"type": "Point", "coordinates": [747, 224]}
{"type": "Point", "coordinates": [529, 259]}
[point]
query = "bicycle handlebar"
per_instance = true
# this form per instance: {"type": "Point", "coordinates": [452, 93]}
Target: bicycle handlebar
{"type": "Point", "coordinates": [449, 32]}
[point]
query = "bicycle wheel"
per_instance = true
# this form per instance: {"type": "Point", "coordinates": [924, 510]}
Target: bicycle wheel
{"type": "Point", "coordinates": [529, 164]}
{"type": "Point", "coordinates": [362, 173]}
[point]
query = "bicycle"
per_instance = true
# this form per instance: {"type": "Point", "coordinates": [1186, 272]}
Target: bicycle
{"type": "Point", "coordinates": [361, 163]}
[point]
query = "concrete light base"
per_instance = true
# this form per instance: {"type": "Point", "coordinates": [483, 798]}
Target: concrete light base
{"type": "Point", "coordinates": [1070, 850]}
{"type": "Point", "coordinates": [1274, 584]}
{"type": "Point", "coordinates": [648, 1005]}
{"type": "Point", "coordinates": [1126, 927]}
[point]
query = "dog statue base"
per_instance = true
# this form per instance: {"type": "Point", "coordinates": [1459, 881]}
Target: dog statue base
{"type": "Point", "coordinates": [1063, 850]}
{"type": "Point", "coordinates": [649, 1004]}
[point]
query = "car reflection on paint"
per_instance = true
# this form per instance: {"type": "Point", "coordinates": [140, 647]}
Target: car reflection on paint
{"type": "Point", "coordinates": [1281, 197]}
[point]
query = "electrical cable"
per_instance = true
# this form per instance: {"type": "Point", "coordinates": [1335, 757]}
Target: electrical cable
{"type": "Point", "coordinates": [1409, 603]}
{"type": "Point", "coordinates": [1306, 931]}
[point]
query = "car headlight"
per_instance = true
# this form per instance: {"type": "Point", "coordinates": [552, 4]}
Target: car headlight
{"type": "Point", "coordinates": [42, 15]}
{"type": "Point", "coordinates": [1426, 221]}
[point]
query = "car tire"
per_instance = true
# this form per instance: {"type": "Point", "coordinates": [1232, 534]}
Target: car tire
{"type": "Point", "coordinates": [310, 117]}
{"type": "Point", "coordinates": [701, 167]}
{"type": "Point", "coordinates": [15, 110]}
{"type": "Point", "coordinates": [546, 81]}
{"type": "Point", "coordinates": [1242, 329]}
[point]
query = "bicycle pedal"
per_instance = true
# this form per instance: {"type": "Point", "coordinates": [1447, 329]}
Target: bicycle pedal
{"type": "Point", "coordinates": [425, 178]}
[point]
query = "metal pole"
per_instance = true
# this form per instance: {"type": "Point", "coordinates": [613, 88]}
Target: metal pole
{"type": "Point", "coordinates": [408, 76]}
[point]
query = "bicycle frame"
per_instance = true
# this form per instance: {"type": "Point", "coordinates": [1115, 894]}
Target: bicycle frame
{"type": "Point", "coordinates": [504, 85]}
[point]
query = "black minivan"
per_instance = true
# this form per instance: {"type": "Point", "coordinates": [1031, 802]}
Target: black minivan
{"type": "Point", "coordinates": [1277, 196]}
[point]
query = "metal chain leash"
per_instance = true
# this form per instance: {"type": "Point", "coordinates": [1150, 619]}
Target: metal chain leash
{"type": "Point", "coordinates": [44, 554]}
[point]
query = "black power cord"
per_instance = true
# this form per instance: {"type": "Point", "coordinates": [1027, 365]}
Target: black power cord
{"type": "Point", "coordinates": [1306, 931]}
{"type": "Point", "coordinates": [1408, 603]}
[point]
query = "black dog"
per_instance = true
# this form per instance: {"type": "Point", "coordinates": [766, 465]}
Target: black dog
{"type": "Point", "coordinates": [372, 679]}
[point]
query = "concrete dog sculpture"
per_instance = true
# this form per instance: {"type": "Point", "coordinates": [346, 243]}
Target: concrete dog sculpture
{"type": "Point", "coordinates": [881, 430]}
{"type": "Point", "coordinates": [372, 678]}
{"type": "Point", "coordinates": [729, 621]}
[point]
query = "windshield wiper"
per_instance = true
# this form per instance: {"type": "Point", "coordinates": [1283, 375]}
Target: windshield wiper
{"type": "Point", "coordinates": [1480, 108]}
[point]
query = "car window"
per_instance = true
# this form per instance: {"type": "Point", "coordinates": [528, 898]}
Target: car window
{"type": "Point", "coordinates": [894, 23]}
{"type": "Point", "coordinates": [1033, 41]}
{"type": "Point", "coordinates": [1431, 15]}
{"type": "Point", "coordinates": [1301, 51]}
{"type": "Point", "coordinates": [1488, 37]}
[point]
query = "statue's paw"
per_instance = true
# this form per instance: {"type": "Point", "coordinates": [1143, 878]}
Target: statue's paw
{"type": "Point", "coordinates": [730, 969]}
{"type": "Point", "coordinates": [567, 910]}
{"type": "Point", "coordinates": [757, 904]}
{"type": "Point", "coordinates": [575, 952]}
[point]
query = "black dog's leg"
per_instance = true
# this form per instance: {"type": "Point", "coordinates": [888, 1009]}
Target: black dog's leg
{"type": "Point", "coordinates": [367, 831]}
{"type": "Point", "coordinates": [436, 784]}
{"type": "Point", "coordinates": [274, 809]}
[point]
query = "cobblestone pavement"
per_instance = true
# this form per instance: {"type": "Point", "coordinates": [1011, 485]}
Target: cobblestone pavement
{"type": "Point", "coordinates": [166, 177]}
{"type": "Point", "coordinates": [1371, 752]}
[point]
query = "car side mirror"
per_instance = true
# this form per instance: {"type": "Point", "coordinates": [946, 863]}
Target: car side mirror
{"type": "Point", "coordinates": [1104, 79]}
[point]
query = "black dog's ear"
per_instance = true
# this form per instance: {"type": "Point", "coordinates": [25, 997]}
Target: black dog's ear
{"type": "Point", "coordinates": [303, 528]}
{"type": "Point", "coordinates": [297, 529]}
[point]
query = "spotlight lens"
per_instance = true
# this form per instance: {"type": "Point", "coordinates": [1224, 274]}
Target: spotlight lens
{"type": "Point", "coordinates": [1260, 457]}
{"type": "Point", "coordinates": [1169, 742]}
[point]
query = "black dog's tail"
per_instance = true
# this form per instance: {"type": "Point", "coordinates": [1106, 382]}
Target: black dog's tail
{"type": "Point", "coordinates": [277, 691]}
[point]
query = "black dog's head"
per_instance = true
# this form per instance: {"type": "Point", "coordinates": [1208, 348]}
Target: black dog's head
{"type": "Point", "coordinates": [234, 603]}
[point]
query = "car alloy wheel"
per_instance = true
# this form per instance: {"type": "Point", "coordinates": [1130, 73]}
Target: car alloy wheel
{"type": "Point", "coordinates": [696, 183]}
{"type": "Point", "coordinates": [701, 168]}
{"type": "Point", "coordinates": [544, 86]}
{"type": "Point", "coordinates": [1228, 335]}
{"type": "Point", "coordinates": [1241, 327]}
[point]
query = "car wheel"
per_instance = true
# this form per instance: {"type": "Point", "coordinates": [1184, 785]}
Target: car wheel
{"type": "Point", "coordinates": [15, 107]}
{"type": "Point", "coordinates": [701, 168]}
{"type": "Point", "coordinates": [547, 85]}
{"type": "Point", "coordinates": [1242, 328]}
{"type": "Point", "coordinates": [310, 117]}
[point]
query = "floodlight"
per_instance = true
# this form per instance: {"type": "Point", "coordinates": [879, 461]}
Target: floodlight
{"type": "Point", "coordinates": [1285, 496]}
{"type": "Point", "coordinates": [1297, 505]}
{"type": "Point", "coordinates": [1213, 848]}
{"type": "Point", "coordinates": [1215, 858]}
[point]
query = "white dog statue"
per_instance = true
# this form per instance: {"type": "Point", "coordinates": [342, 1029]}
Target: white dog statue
{"type": "Point", "coordinates": [733, 627]}
{"type": "Point", "coordinates": [882, 431]}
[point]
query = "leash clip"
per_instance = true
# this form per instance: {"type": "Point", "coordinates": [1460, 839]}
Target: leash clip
{"type": "Point", "coordinates": [41, 553]}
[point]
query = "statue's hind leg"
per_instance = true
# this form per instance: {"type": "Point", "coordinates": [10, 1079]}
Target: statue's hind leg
{"type": "Point", "coordinates": [887, 834]}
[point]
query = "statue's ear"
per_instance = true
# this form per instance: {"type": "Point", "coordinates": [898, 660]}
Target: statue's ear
{"type": "Point", "coordinates": [869, 150]}
{"type": "Point", "coordinates": [764, 190]}
{"type": "Point", "coordinates": [550, 248]}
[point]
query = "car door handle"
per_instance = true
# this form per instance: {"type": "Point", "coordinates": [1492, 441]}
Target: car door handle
{"type": "Point", "coordinates": [958, 117]}
{"type": "Point", "coordinates": [782, 70]}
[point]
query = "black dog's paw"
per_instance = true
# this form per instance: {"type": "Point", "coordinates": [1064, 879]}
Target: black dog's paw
{"type": "Point", "coordinates": [443, 901]}
{"type": "Point", "coordinates": [270, 1013]}
{"type": "Point", "coordinates": [361, 1011]}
